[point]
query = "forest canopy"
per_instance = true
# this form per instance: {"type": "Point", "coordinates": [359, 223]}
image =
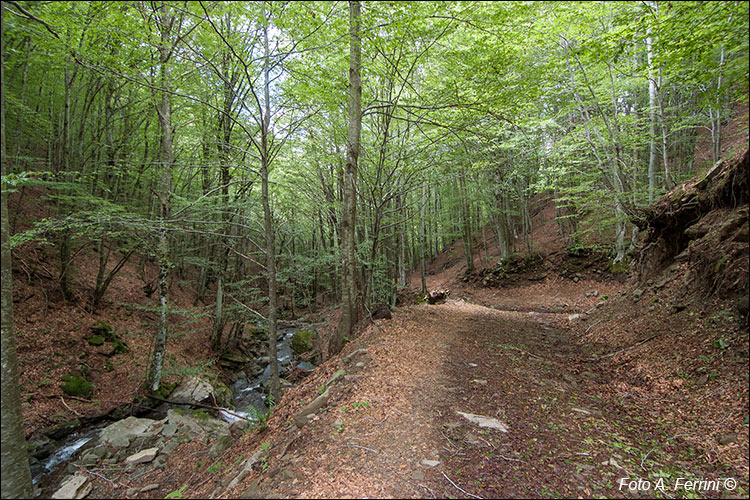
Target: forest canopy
{"type": "Point", "coordinates": [150, 126]}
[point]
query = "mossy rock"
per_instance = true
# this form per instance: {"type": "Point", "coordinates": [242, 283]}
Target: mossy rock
{"type": "Point", "coordinates": [221, 445]}
{"type": "Point", "coordinates": [619, 267]}
{"type": "Point", "coordinates": [200, 415]}
{"type": "Point", "coordinates": [103, 329]}
{"type": "Point", "coordinates": [302, 341]}
{"type": "Point", "coordinates": [165, 389]}
{"type": "Point", "coordinates": [76, 385]}
{"type": "Point", "coordinates": [95, 340]}
{"type": "Point", "coordinates": [118, 346]}
{"type": "Point", "coordinates": [257, 332]}
{"type": "Point", "coordinates": [222, 393]}
{"type": "Point", "coordinates": [63, 429]}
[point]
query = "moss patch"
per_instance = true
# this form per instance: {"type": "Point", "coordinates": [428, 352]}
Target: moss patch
{"type": "Point", "coordinates": [76, 385]}
{"type": "Point", "coordinates": [620, 267]}
{"type": "Point", "coordinates": [103, 329]}
{"type": "Point", "coordinates": [165, 389]}
{"type": "Point", "coordinates": [95, 340]}
{"type": "Point", "coordinates": [302, 341]}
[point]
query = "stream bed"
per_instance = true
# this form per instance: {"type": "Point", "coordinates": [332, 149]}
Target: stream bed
{"type": "Point", "coordinates": [248, 400]}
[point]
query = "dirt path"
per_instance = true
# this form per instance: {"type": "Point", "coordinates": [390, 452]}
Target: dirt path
{"type": "Point", "coordinates": [399, 410]}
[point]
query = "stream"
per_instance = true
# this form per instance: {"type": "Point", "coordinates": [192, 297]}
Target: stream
{"type": "Point", "coordinates": [248, 398]}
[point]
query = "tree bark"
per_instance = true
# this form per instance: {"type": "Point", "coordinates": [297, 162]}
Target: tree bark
{"type": "Point", "coordinates": [15, 481]}
{"type": "Point", "coordinates": [348, 260]}
{"type": "Point", "coordinates": [164, 111]}
{"type": "Point", "coordinates": [268, 225]}
{"type": "Point", "coordinates": [422, 238]}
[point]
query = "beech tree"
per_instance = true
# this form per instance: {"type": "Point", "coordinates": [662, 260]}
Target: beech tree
{"type": "Point", "coordinates": [245, 141]}
{"type": "Point", "coordinates": [16, 477]}
{"type": "Point", "coordinates": [349, 288]}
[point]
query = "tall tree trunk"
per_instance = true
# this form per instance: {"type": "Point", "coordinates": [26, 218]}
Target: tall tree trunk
{"type": "Point", "coordinates": [15, 481]}
{"type": "Point", "coordinates": [422, 238]}
{"type": "Point", "coordinates": [268, 224]}
{"type": "Point", "coordinates": [466, 216]}
{"type": "Point", "coordinates": [349, 275]}
{"type": "Point", "coordinates": [716, 128]}
{"type": "Point", "coordinates": [164, 112]}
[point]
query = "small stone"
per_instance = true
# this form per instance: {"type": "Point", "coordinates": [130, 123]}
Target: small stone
{"type": "Point", "coordinates": [473, 365]}
{"type": "Point", "coordinates": [417, 475]}
{"type": "Point", "coordinates": [131, 491]}
{"type": "Point", "coordinates": [589, 375]}
{"type": "Point", "coordinates": [430, 463]}
{"type": "Point", "coordinates": [479, 381]}
{"type": "Point", "coordinates": [595, 293]}
{"type": "Point", "coordinates": [143, 456]}
{"type": "Point", "coordinates": [360, 364]}
{"type": "Point", "coordinates": [573, 317]}
{"type": "Point", "coordinates": [727, 439]}
{"type": "Point", "coordinates": [89, 459]}
{"type": "Point", "coordinates": [482, 421]}
{"type": "Point", "coordinates": [149, 487]}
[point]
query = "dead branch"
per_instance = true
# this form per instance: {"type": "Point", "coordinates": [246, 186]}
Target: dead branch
{"type": "Point", "coordinates": [640, 342]}
{"type": "Point", "coordinates": [458, 487]}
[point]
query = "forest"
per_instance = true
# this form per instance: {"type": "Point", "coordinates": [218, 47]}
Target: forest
{"type": "Point", "coordinates": [243, 165]}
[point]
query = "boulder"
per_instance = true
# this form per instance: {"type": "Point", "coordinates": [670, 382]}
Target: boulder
{"type": "Point", "coordinates": [121, 432]}
{"type": "Point", "coordinates": [300, 419]}
{"type": "Point", "coordinates": [221, 445]}
{"type": "Point", "coordinates": [76, 385]}
{"type": "Point", "coordinates": [381, 312]}
{"type": "Point", "coordinates": [233, 360]}
{"type": "Point", "coordinates": [192, 390]}
{"type": "Point", "coordinates": [142, 457]}
{"type": "Point", "coordinates": [302, 341]}
{"type": "Point", "coordinates": [77, 486]}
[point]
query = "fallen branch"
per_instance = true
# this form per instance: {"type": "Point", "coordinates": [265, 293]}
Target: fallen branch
{"type": "Point", "coordinates": [68, 407]}
{"type": "Point", "coordinates": [640, 342]}
{"type": "Point", "coordinates": [593, 325]}
{"type": "Point", "coordinates": [517, 349]}
{"type": "Point", "coordinates": [512, 459]}
{"type": "Point", "coordinates": [201, 405]}
{"type": "Point", "coordinates": [352, 445]}
{"type": "Point", "coordinates": [643, 460]}
{"type": "Point", "coordinates": [458, 487]}
{"type": "Point", "coordinates": [428, 489]}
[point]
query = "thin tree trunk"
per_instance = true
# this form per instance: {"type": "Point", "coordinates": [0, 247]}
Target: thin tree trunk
{"type": "Point", "coordinates": [422, 239]}
{"type": "Point", "coordinates": [466, 216]}
{"type": "Point", "coordinates": [268, 225]}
